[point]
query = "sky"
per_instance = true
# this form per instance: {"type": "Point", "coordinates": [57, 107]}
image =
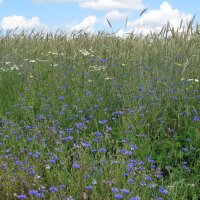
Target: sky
{"type": "Point", "coordinates": [92, 15]}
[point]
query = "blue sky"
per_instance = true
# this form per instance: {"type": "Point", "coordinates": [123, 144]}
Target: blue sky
{"type": "Point", "coordinates": [71, 15]}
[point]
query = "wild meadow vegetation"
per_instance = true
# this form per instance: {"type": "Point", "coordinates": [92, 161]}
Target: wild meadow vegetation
{"type": "Point", "coordinates": [97, 117]}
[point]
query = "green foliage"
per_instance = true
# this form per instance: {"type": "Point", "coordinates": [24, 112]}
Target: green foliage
{"type": "Point", "coordinates": [97, 110]}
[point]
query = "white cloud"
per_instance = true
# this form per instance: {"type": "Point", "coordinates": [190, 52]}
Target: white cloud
{"type": "Point", "coordinates": [101, 4]}
{"type": "Point", "coordinates": [12, 22]}
{"type": "Point", "coordinates": [154, 20]}
{"type": "Point", "coordinates": [112, 4]}
{"type": "Point", "coordinates": [86, 24]}
{"type": "Point", "coordinates": [115, 14]}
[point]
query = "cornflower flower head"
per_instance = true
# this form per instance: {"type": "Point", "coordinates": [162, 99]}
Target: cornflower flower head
{"type": "Point", "coordinates": [125, 191]}
{"type": "Point", "coordinates": [196, 119]}
{"type": "Point", "coordinates": [53, 189]}
{"type": "Point", "coordinates": [89, 187]}
{"type": "Point", "coordinates": [163, 190]}
{"type": "Point", "coordinates": [22, 196]}
{"type": "Point", "coordinates": [118, 196]}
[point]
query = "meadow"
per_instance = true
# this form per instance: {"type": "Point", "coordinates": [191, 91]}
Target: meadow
{"type": "Point", "coordinates": [98, 117]}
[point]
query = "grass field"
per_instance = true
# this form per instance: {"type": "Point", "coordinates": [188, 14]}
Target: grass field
{"type": "Point", "coordinates": [99, 117]}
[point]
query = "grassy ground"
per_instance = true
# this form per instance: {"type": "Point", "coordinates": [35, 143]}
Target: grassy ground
{"type": "Point", "coordinates": [100, 117]}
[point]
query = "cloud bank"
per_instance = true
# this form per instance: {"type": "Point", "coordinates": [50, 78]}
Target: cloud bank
{"type": "Point", "coordinates": [154, 20]}
{"type": "Point", "coordinates": [13, 22]}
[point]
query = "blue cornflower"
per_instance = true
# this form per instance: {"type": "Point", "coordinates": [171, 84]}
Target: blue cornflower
{"type": "Point", "coordinates": [163, 190]}
{"type": "Point", "coordinates": [67, 138]}
{"type": "Point", "coordinates": [125, 191]}
{"type": "Point", "coordinates": [97, 134]}
{"type": "Point", "coordinates": [119, 196]}
{"type": "Point", "coordinates": [53, 189]}
{"type": "Point", "coordinates": [102, 60]}
{"type": "Point", "coordinates": [76, 165]}
{"type": "Point", "coordinates": [62, 186]}
{"type": "Point", "coordinates": [89, 187]}
{"type": "Point", "coordinates": [22, 196]}
{"type": "Point", "coordinates": [61, 98]}
{"type": "Point", "coordinates": [33, 192]}
{"type": "Point", "coordinates": [103, 121]}
{"type": "Point", "coordinates": [86, 144]}
{"type": "Point", "coordinates": [118, 113]}
{"type": "Point", "coordinates": [80, 125]}
{"type": "Point", "coordinates": [133, 147]}
{"type": "Point", "coordinates": [102, 150]}
{"type": "Point", "coordinates": [115, 190]}
{"type": "Point", "coordinates": [188, 140]}
{"type": "Point", "coordinates": [131, 181]}
{"type": "Point", "coordinates": [196, 119]}
{"type": "Point", "coordinates": [148, 178]}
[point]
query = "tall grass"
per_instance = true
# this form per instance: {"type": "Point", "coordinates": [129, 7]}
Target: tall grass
{"type": "Point", "coordinates": [100, 117]}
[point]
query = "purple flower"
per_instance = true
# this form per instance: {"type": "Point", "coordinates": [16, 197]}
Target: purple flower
{"type": "Point", "coordinates": [33, 192]}
{"type": "Point", "coordinates": [103, 121]}
{"type": "Point", "coordinates": [61, 98]}
{"type": "Point", "coordinates": [118, 113]}
{"type": "Point", "coordinates": [89, 187]}
{"type": "Point", "coordinates": [76, 165]}
{"type": "Point", "coordinates": [125, 191]}
{"type": "Point", "coordinates": [148, 178]}
{"type": "Point", "coordinates": [163, 190]}
{"type": "Point", "coordinates": [22, 196]}
{"type": "Point", "coordinates": [97, 134]}
{"type": "Point", "coordinates": [131, 181]}
{"type": "Point", "coordinates": [115, 190]}
{"type": "Point", "coordinates": [133, 147]}
{"type": "Point", "coordinates": [53, 189]}
{"type": "Point", "coordinates": [80, 125]}
{"type": "Point", "coordinates": [62, 186]}
{"type": "Point", "coordinates": [102, 150]}
{"type": "Point", "coordinates": [188, 140]}
{"type": "Point", "coordinates": [118, 196]}
{"type": "Point", "coordinates": [67, 138]}
{"type": "Point", "coordinates": [102, 60]}
{"type": "Point", "coordinates": [196, 119]}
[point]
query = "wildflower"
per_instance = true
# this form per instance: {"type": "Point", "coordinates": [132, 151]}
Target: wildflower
{"type": "Point", "coordinates": [62, 186]}
{"type": "Point", "coordinates": [133, 147]}
{"type": "Point", "coordinates": [89, 187]}
{"type": "Point", "coordinates": [103, 121]}
{"type": "Point", "coordinates": [33, 192]}
{"type": "Point", "coordinates": [76, 165]}
{"type": "Point", "coordinates": [102, 150]}
{"type": "Point", "coordinates": [196, 119]}
{"type": "Point", "coordinates": [61, 98]}
{"type": "Point", "coordinates": [80, 125]}
{"type": "Point", "coordinates": [32, 61]}
{"type": "Point", "coordinates": [188, 140]}
{"type": "Point", "coordinates": [115, 190]}
{"type": "Point", "coordinates": [125, 191]}
{"type": "Point", "coordinates": [118, 196]}
{"type": "Point", "coordinates": [163, 190]}
{"type": "Point", "coordinates": [131, 181]}
{"type": "Point", "coordinates": [53, 189]}
{"type": "Point", "coordinates": [22, 196]}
